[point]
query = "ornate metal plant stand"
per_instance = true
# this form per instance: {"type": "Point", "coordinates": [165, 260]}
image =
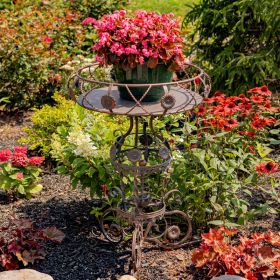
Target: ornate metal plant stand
{"type": "Point", "coordinates": [142, 152]}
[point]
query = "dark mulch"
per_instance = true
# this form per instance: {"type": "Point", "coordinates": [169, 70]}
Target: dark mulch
{"type": "Point", "coordinates": [84, 255]}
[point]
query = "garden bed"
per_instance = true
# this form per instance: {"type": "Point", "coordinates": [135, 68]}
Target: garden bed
{"type": "Point", "coordinates": [83, 254]}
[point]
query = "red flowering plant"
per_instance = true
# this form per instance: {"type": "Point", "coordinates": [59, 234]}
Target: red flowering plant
{"type": "Point", "coordinates": [145, 38]}
{"type": "Point", "coordinates": [225, 146]}
{"type": "Point", "coordinates": [255, 258]}
{"type": "Point", "coordinates": [250, 116]}
{"type": "Point", "coordinates": [20, 173]}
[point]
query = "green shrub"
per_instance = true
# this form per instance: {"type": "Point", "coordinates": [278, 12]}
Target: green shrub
{"type": "Point", "coordinates": [82, 149]}
{"type": "Point", "coordinates": [6, 4]}
{"type": "Point", "coordinates": [238, 41]}
{"type": "Point", "coordinates": [45, 122]}
{"type": "Point", "coordinates": [215, 170]}
{"type": "Point", "coordinates": [96, 8]}
{"type": "Point", "coordinates": [34, 44]}
{"type": "Point", "coordinates": [225, 148]}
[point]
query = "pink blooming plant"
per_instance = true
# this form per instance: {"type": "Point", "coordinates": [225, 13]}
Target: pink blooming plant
{"type": "Point", "coordinates": [145, 38]}
{"type": "Point", "coordinates": [18, 172]}
{"type": "Point", "coordinates": [47, 39]}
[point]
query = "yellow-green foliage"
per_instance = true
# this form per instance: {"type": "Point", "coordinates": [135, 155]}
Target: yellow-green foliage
{"type": "Point", "coordinates": [45, 122]}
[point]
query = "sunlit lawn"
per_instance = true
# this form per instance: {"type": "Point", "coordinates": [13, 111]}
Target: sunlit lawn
{"type": "Point", "coordinates": [178, 7]}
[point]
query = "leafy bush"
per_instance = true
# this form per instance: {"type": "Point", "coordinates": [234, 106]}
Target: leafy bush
{"type": "Point", "coordinates": [6, 4]}
{"type": "Point", "coordinates": [238, 41]}
{"type": "Point", "coordinates": [19, 173]}
{"type": "Point", "coordinates": [82, 149]}
{"type": "Point", "coordinates": [96, 8]}
{"type": "Point", "coordinates": [22, 244]}
{"type": "Point", "coordinates": [47, 119]}
{"type": "Point", "coordinates": [34, 45]}
{"type": "Point", "coordinates": [45, 122]}
{"type": "Point", "coordinates": [255, 258]}
{"type": "Point", "coordinates": [214, 167]}
{"type": "Point", "coordinates": [223, 147]}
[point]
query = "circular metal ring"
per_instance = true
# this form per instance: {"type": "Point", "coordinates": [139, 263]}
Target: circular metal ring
{"type": "Point", "coordinates": [134, 155]}
{"type": "Point", "coordinates": [164, 153]}
{"type": "Point", "coordinates": [167, 101]}
{"type": "Point", "coordinates": [108, 102]}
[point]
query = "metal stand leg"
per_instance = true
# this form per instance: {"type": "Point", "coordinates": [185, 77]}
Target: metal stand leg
{"type": "Point", "coordinates": [143, 213]}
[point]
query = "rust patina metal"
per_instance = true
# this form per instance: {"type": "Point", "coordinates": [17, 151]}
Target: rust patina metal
{"type": "Point", "coordinates": [141, 152]}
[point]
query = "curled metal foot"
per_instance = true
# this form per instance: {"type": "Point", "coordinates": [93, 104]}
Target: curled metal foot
{"type": "Point", "coordinates": [172, 231]}
{"type": "Point", "coordinates": [178, 229]}
{"type": "Point", "coordinates": [111, 227]}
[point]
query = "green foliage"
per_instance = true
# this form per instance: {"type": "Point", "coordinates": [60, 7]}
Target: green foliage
{"type": "Point", "coordinates": [37, 41]}
{"type": "Point", "coordinates": [238, 41]}
{"type": "Point", "coordinates": [45, 123]}
{"type": "Point", "coordinates": [34, 44]}
{"type": "Point", "coordinates": [19, 174]}
{"type": "Point", "coordinates": [211, 178]}
{"type": "Point", "coordinates": [217, 169]}
{"type": "Point", "coordinates": [25, 187]}
{"type": "Point", "coordinates": [82, 149]}
{"type": "Point", "coordinates": [6, 4]}
{"type": "Point", "coordinates": [96, 8]}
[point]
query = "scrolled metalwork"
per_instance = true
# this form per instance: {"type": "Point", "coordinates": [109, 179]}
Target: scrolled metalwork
{"type": "Point", "coordinates": [180, 95]}
{"type": "Point", "coordinates": [140, 152]}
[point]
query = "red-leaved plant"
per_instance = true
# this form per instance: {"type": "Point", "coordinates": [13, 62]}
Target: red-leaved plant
{"type": "Point", "coordinates": [146, 37]}
{"type": "Point", "coordinates": [255, 258]}
{"type": "Point", "coordinates": [21, 243]}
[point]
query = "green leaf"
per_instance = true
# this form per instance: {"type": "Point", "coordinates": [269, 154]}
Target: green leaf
{"type": "Point", "coordinates": [275, 142]}
{"type": "Point", "coordinates": [275, 131]}
{"type": "Point", "coordinates": [251, 179]}
{"type": "Point", "coordinates": [62, 169]}
{"type": "Point", "coordinates": [75, 182]}
{"type": "Point", "coordinates": [262, 150]}
{"type": "Point", "coordinates": [248, 192]}
{"type": "Point", "coordinates": [35, 189]}
{"type": "Point", "coordinates": [7, 167]}
{"type": "Point", "coordinates": [21, 189]}
{"type": "Point", "coordinates": [229, 224]}
{"type": "Point", "coordinates": [216, 222]}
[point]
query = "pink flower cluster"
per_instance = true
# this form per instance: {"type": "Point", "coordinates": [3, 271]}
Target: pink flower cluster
{"type": "Point", "coordinates": [147, 37]}
{"type": "Point", "coordinates": [19, 157]}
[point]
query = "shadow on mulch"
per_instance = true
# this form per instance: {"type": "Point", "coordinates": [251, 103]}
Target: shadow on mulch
{"type": "Point", "coordinates": [82, 255]}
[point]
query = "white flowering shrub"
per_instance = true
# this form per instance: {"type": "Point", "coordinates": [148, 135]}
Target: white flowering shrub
{"type": "Point", "coordinates": [82, 149]}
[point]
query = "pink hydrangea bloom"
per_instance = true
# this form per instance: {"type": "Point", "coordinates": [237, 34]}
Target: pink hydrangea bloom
{"type": "Point", "coordinates": [20, 149]}
{"type": "Point", "coordinates": [20, 160]}
{"type": "Point", "coordinates": [36, 160]}
{"type": "Point", "coordinates": [19, 176]}
{"type": "Point", "coordinates": [5, 155]}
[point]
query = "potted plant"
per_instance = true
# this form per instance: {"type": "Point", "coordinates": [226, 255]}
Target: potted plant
{"type": "Point", "coordinates": [145, 48]}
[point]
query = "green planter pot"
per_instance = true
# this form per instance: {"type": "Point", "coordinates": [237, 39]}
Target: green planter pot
{"type": "Point", "coordinates": [143, 75]}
